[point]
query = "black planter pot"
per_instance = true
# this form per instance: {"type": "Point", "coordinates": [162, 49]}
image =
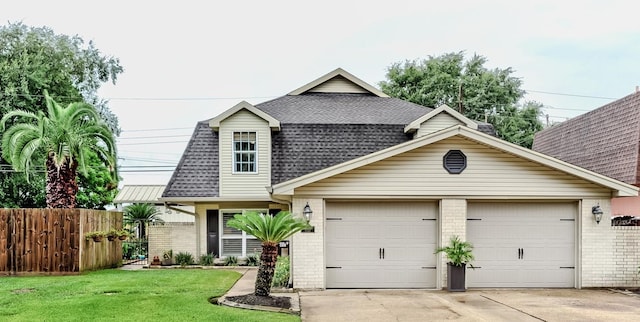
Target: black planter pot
{"type": "Point", "coordinates": [456, 278]}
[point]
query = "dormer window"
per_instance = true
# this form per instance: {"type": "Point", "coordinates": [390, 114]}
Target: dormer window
{"type": "Point", "coordinates": [244, 152]}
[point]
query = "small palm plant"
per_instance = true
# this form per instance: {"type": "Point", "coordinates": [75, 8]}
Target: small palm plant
{"type": "Point", "coordinates": [141, 214]}
{"type": "Point", "coordinates": [270, 230]}
{"type": "Point", "coordinates": [459, 253]}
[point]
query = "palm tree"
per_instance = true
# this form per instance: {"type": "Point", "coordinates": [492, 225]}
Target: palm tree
{"type": "Point", "coordinates": [270, 231]}
{"type": "Point", "coordinates": [141, 214]}
{"type": "Point", "coordinates": [63, 137]}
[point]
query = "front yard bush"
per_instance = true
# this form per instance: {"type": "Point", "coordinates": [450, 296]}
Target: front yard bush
{"type": "Point", "coordinates": [281, 275]}
{"type": "Point", "coordinates": [184, 258]}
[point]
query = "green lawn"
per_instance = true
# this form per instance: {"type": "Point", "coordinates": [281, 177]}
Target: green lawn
{"type": "Point", "coordinates": [118, 295]}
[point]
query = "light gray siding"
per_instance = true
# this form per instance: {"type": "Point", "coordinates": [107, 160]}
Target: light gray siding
{"type": "Point", "coordinates": [437, 123]}
{"type": "Point", "coordinates": [245, 184]}
{"type": "Point", "coordinates": [338, 84]}
{"type": "Point", "coordinates": [489, 173]}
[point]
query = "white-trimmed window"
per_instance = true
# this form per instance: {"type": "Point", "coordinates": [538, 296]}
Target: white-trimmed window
{"type": "Point", "coordinates": [245, 152]}
{"type": "Point", "coordinates": [236, 242]}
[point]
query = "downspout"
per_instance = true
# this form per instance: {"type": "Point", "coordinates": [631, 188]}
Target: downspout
{"type": "Point", "coordinates": [290, 205]}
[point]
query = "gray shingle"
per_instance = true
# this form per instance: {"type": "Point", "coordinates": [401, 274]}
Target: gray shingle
{"type": "Point", "coordinates": [340, 108]}
{"type": "Point", "coordinates": [197, 172]}
{"type": "Point", "coordinates": [299, 149]}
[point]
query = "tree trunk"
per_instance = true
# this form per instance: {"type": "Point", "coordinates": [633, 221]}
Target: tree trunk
{"type": "Point", "coordinates": [267, 267]}
{"type": "Point", "coordinates": [61, 184]}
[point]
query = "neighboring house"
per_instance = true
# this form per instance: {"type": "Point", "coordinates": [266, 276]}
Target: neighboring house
{"type": "Point", "coordinates": [605, 140]}
{"type": "Point", "coordinates": [388, 182]}
{"type": "Point", "coordinates": [178, 229]}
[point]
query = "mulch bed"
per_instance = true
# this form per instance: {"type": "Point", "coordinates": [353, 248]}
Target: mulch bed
{"type": "Point", "coordinates": [273, 301]}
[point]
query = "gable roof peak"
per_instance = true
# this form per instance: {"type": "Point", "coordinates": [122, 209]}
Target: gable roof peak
{"type": "Point", "coordinates": [214, 123]}
{"type": "Point", "coordinates": [415, 125]}
{"type": "Point", "coordinates": [338, 81]}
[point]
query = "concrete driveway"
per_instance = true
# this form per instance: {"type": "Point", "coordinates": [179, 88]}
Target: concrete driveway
{"type": "Point", "coordinates": [473, 305]}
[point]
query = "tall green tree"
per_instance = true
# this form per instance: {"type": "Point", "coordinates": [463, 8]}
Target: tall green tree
{"type": "Point", "coordinates": [60, 140]}
{"type": "Point", "coordinates": [270, 230]}
{"type": "Point", "coordinates": [481, 94]}
{"type": "Point", "coordinates": [35, 59]}
{"type": "Point", "coordinates": [140, 215]}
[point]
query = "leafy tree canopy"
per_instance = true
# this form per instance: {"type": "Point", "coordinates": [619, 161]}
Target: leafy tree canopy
{"type": "Point", "coordinates": [35, 59]}
{"type": "Point", "coordinates": [481, 94]}
{"type": "Point", "coordinates": [67, 137]}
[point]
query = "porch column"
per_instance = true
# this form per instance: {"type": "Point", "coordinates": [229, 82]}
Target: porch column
{"type": "Point", "coordinates": [453, 221]}
{"type": "Point", "coordinates": [307, 256]}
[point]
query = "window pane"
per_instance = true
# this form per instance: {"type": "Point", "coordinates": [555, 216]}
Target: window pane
{"type": "Point", "coordinates": [232, 247]}
{"type": "Point", "coordinates": [229, 230]}
{"type": "Point", "coordinates": [254, 246]}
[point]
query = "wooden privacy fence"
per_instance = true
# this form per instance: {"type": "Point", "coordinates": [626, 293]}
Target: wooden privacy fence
{"type": "Point", "coordinates": [51, 241]}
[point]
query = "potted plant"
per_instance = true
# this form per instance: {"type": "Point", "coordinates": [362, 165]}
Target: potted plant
{"type": "Point", "coordinates": [123, 234]}
{"type": "Point", "coordinates": [112, 234]}
{"type": "Point", "coordinates": [459, 253]}
{"type": "Point", "coordinates": [167, 258]}
{"type": "Point", "coordinates": [95, 235]}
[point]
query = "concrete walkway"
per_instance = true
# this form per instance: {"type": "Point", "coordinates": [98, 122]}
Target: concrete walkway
{"type": "Point", "coordinates": [246, 285]}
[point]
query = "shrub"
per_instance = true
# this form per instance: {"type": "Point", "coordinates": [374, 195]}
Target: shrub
{"type": "Point", "coordinates": [207, 259]}
{"type": "Point", "coordinates": [281, 274]}
{"type": "Point", "coordinates": [231, 261]}
{"type": "Point", "coordinates": [184, 258]}
{"type": "Point", "coordinates": [253, 260]}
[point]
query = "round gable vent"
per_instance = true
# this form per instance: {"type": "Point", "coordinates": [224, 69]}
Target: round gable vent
{"type": "Point", "coordinates": [454, 161]}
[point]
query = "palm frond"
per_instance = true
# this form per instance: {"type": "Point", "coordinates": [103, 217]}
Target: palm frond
{"type": "Point", "coordinates": [266, 228]}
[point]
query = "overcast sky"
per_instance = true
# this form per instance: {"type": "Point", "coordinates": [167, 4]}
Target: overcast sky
{"type": "Point", "coordinates": [186, 61]}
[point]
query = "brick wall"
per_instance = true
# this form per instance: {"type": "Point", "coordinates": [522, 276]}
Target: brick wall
{"type": "Point", "coordinates": [308, 248]}
{"type": "Point", "coordinates": [177, 236]}
{"type": "Point", "coordinates": [453, 221]}
{"type": "Point", "coordinates": [610, 254]}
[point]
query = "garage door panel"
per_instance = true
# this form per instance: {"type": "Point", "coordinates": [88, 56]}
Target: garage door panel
{"type": "Point", "coordinates": [358, 232]}
{"type": "Point", "coordinates": [522, 244]}
{"type": "Point", "coordinates": [345, 255]}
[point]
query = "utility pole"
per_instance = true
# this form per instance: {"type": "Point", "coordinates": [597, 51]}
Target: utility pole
{"type": "Point", "coordinates": [460, 107]}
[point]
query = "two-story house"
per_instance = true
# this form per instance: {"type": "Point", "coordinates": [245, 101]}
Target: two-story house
{"type": "Point", "coordinates": [388, 182]}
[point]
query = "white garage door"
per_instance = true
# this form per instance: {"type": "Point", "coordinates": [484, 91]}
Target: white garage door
{"type": "Point", "coordinates": [522, 244]}
{"type": "Point", "coordinates": [381, 245]}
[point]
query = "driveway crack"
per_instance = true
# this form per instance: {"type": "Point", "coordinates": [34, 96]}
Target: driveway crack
{"type": "Point", "coordinates": [514, 308]}
{"type": "Point", "coordinates": [366, 294]}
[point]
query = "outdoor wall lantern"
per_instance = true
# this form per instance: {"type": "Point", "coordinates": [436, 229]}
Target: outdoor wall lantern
{"type": "Point", "coordinates": [597, 213]}
{"type": "Point", "coordinates": [307, 213]}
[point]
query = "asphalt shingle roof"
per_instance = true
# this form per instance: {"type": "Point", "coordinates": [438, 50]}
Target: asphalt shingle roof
{"type": "Point", "coordinates": [605, 140]}
{"type": "Point", "coordinates": [197, 172]}
{"type": "Point", "coordinates": [299, 149]}
{"type": "Point", "coordinates": [339, 108]}
{"type": "Point", "coordinates": [317, 131]}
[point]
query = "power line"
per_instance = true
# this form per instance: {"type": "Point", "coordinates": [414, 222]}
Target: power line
{"type": "Point", "coordinates": [165, 129]}
{"type": "Point", "coordinates": [154, 137]}
{"type": "Point", "coordinates": [145, 143]}
{"type": "Point", "coordinates": [185, 98]}
{"type": "Point", "coordinates": [150, 160]}
{"type": "Point", "coordinates": [573, 95]}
